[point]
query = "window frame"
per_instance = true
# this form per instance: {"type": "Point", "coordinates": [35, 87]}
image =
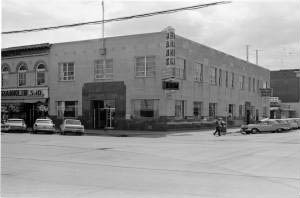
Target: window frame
{"type": "Point", "coordinates": [62, 72]}
{"type": "Point", "coordinates": [105, 74]}
{"type": "Point", "coordinates": [37, 71]}
{"type": "Point", "coordinates": [22, 74]}
{"type": "Point", "coordinates": [198, 69]}
{"type": "Point", "coordinates": [4, 75]}
{"type": "Point", "coordinates": [145, 65]}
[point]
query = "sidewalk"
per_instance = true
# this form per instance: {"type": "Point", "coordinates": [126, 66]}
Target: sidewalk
{"type": "Point", "coordinates": [132, 133]}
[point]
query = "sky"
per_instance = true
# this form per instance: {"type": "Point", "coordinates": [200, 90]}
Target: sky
{"type": "Point", "coordinates": [270, 26]}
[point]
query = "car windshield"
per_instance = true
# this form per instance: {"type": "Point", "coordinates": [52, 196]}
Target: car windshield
{"type": "Point", "coordinates": [44, 121]}
{"type": "Point", "coordinates": [15, 121]}
{"type": "Point", "coordinates": [73, 122]}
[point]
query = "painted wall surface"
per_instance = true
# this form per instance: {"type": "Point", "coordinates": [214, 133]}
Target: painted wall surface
{"type": "Point", "coordinates": [205, 92]}
{"type": "Point", "coordinates": [123, 50]}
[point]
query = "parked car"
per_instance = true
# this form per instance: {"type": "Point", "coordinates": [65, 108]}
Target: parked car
{"type": "Point", "coordinates": [284, 124]}
{"type": "Point", "coordinates": [14, 125]}
{"type": "Point", "coordinates": [71, 126]}
{"type": "Point", "coordinates": [43, 125]}
{"type": "Point", "coordinates": [292, 122]}
{"type": "Point", "coordinates": [297, 120]}
{"type": "Point", "coordinates": [293, 125]}
{"type": "Point", "coordinates": [263, 126]}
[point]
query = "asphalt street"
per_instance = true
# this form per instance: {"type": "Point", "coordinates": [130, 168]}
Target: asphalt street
{"type": "Point", "coordinates": [189, 164]}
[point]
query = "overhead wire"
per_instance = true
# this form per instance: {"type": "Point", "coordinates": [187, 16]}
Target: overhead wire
{"type": "Point", "coordinates": [117, 19]}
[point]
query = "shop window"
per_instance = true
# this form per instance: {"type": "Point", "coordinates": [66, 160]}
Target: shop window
{"type": "Point", "coordinates": [66, 71]}
{"type": "Point", "coordinates": [198, 110]}
{"type": "Point", "coordinates": [67, 109]}
{"type": "Point", "coordinates": [212, 110]}
{"type": "Point", "coordinates": [241, 111]}
{"type": "Point", "coordinates": [147, 108]}
{"type": "Point", "coordinates": [22, 74]}
{"type": "Point", "coordinates": [231, 110]}
{"type": "Point", "coordinates": [104, 69]}
{"type": "Point", "coordinates": [179, 109]}
{"type": "Point", "coordinates": [4, 75]}
{"type": "Point", "coordinates": [198, 72]}
{"type": "Point", "coordinates": [41, 74]}
{"type": "Point", "coordinates": [145, 66]}
{"type": "Point", "coordinates": [213, 75]}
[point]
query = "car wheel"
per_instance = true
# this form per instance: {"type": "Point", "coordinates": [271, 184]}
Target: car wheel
{"type": "Point", "coordinates": [254, 131]}
{"type": "Point", "coordinates": [279, 130]}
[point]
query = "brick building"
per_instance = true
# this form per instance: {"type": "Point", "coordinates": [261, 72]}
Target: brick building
{"type": "Point", "coordinates": [150, 78]}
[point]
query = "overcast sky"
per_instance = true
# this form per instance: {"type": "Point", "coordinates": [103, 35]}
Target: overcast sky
{"type": "Point", "coordinates": [271, 26]}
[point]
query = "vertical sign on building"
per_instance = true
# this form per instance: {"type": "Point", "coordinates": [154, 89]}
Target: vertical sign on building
{"type": "Point", "coordinates": [170, 46]}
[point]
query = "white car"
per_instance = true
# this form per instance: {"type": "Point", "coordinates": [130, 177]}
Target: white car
{"type": "Point", "coordinates": [71, 126]}
{"type": "Point", "coordinates": [43, 125]}
{"type": "Point", "coordinates": [264, 126]}
{"type": "Point", "coordinates": [15, 124]}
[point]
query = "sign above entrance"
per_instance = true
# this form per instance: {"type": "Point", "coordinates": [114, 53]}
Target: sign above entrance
{"type": "Point", "coordinates": [38, 92]}
{"type": "Point", "coordinates": [266, 92]}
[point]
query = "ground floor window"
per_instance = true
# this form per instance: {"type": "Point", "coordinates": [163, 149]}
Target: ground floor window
{"type": "Point", "coordinates": [231, 110]}
{"type": "Point", "coordinates": [212, 110]}
{"type": "Point", "coordinates": [147, 108]}
{"type": "Point", "coordinates": [241, 111]}
{"type": "Point", "coordinates": [179, 109]}
{"type": "Point", "coordinates": [198, 110]}
{"type": "Point", "coordinates": [67, 109]}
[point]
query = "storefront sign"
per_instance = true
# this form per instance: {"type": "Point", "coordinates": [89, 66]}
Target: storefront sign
{"type": "Point", "coordinates": [266, 92]}
{"type": "Point", "coordinates": [30, 92]}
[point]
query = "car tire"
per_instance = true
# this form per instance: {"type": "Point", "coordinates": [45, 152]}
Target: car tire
{"type": "Point", "coordinates": [279, 130]}
{"type": "Point", "coordinates": [254, 131]}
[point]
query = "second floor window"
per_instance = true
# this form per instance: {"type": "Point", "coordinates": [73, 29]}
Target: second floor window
{"type": "Point", "coordinates": [198, 75]}
{"type": "Point", "coordinates": [226, 78]}
{"type": "Point", "coordinates": [4, 75]}
{"type": "Point", "coordinates": [145, 66]}
{"type": "Point", "coordinates": [41, 74]}
{"type": "Point", "coordinates": [104, 69]}
{"type": "Point", "coordinates": [220, 77]}
{"type": "Point", "coordinates": [232, 80]}
{"type": "Point", "coordinates": [66, 71]}
{"type": "Point", "coordinates": [22, 75]}
{"type": "Point", "coordinates": [213, 75]}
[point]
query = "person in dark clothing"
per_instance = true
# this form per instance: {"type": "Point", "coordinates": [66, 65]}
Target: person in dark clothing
{"type": "Point", "coordinates": [219, 125]}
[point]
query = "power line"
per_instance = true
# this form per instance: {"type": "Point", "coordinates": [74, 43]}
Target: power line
{"type": "Point", "coordinates": [118, 19]}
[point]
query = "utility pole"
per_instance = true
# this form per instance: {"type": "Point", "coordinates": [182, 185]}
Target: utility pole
{"type": "Point", "coordinates": [256, 56]}
{"type": "Point", "coordinates": [247, 53]}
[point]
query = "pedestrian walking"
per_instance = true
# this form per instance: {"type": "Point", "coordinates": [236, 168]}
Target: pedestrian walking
{"type": "Point", "coordinates": [219, 125]}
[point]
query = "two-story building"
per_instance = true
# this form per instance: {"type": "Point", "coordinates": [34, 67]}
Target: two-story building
{"type": "Point", "coordinates": [157, 76]}
{"type": "Point", "coordinates": [24, 78]}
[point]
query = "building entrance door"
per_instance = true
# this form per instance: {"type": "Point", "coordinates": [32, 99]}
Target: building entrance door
{"type": "Point", "coordinates": [104, 114]}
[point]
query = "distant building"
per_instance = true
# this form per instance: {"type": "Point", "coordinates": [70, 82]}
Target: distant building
{"type": "Point", "coordinates": [146, 78]}
{"type": "Point", "coordinates": [286, 86]}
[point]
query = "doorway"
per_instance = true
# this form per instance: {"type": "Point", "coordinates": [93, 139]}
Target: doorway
{"type": "Point", "coordinates": [104, 114]}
